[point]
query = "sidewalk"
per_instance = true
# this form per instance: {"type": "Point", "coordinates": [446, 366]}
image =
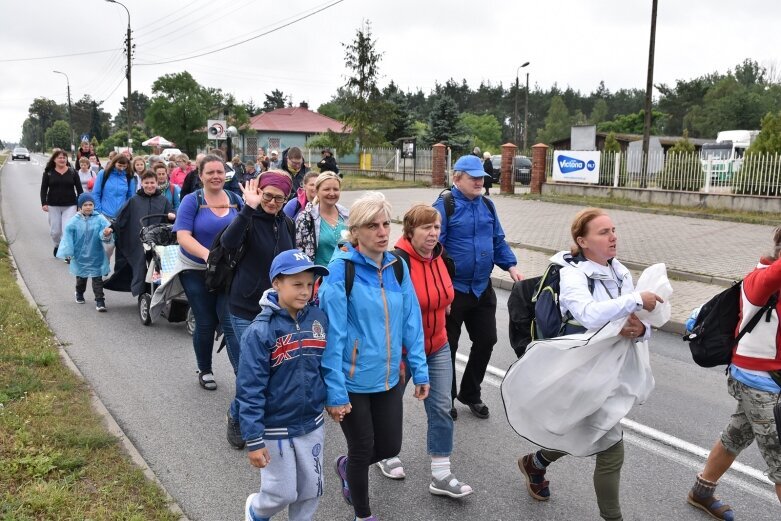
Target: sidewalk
{"type": "Point", "coordinates": [702, 256]}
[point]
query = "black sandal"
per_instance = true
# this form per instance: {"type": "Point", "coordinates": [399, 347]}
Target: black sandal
{"type": "Point", "coordinates": [207, 381]}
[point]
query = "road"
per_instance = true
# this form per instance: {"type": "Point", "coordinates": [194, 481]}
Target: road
{"type": "Point", "coordinates": [146, 378]}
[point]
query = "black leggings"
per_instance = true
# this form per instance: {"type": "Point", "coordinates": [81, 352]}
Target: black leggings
{"type": "Point", "coordinates": [373, 433]}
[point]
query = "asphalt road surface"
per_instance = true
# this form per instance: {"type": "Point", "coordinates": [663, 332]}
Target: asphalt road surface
{"type": "Point", "coordinates": [146, 378]}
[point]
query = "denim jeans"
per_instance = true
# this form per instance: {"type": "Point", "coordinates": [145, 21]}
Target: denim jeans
{"type": "Point", "coordinates": [439, 440]}
{"type": "Point", "coordinates": [240, 325]}
{"type": "Point", "coordinates": [210, 311]}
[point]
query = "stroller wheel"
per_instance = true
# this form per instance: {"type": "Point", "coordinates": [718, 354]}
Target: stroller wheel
{"type": "Point", "coordinates": [144, 302]}
{"type": "Point", "coordinates": [190, 321]}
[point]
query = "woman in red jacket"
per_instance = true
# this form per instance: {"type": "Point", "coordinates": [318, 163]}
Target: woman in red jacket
{"type": "Point", "coordinates": [755, 382]}
{"type": "Point", "coordinates": [421, 248]}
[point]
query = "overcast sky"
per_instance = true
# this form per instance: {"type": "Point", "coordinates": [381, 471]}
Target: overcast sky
{"type": "Point", "coordinates": [569, 42]}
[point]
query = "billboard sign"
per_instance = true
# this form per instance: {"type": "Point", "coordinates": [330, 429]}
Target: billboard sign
{"type": "Point", "coordinates": [576, 166]}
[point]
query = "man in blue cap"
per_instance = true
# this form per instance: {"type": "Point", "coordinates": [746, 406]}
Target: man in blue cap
{"type": "Point", "coordinates": [473, 237]}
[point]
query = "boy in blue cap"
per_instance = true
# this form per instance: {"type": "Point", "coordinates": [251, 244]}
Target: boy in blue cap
{"type": "Point", "coordinates": [82, 242]}
{"type": "Point", "coordinates": [281, 392]}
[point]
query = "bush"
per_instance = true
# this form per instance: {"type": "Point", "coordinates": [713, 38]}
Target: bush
{"type": "Point", "coordinates": [759, 175]}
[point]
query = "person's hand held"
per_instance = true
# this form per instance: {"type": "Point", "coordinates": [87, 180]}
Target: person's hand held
{"type": "Point", "coordinates": [650, 299]}
{"type": "Point", "coordinates": [421, 391]}
{"type": "Point", "coordinates": [45, 208]}
{"type": "Point", "coordinates": [107, 231]}
{"type": "Point", "coordinates": [259, 458]}
{"type": "Point", "coordinates": [515, 274]}
{"type": "Point", "coordinates": [171, 216]}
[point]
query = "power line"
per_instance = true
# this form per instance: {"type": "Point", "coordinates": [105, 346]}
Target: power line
{"type": "Point", "coordinates": [248, 39]}
{"type": "Point", "coordinates": [57, 56]}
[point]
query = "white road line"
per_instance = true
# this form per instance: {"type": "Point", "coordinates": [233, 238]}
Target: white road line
{"type": "Point", "coordinates": [494, 375]}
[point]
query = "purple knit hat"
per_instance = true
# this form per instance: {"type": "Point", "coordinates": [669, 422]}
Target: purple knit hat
{"type": "Point", "coordinates": [277, 179]}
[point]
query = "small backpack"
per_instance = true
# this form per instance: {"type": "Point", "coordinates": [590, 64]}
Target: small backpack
{"type": "Point", "coordinates": [349, 273]}
{"type": "Point", "coordinates": [534, 308]}
{"type": "Point", "coordinates": [450, 204]}
{"type": "Point", "coordinates": [713, 339]}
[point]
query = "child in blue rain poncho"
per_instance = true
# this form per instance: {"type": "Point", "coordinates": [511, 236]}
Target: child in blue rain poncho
{"type": "Point", "coordinates": [82, 242]}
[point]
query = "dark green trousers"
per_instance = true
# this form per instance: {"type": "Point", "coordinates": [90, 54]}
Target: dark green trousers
{"type": "Point", "coordinates": [607, 479]}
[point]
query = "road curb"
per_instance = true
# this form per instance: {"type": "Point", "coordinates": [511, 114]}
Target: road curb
{"type": "Point", "coordinates": [97, 404]}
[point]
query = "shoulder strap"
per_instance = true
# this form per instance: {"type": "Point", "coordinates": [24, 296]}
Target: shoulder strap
{"type": "Point", "coordinates": [489, 204]}
{"type": "Point", "coordinates": [349, 277]}
{"type": "Point", "coordinates": [767, 308]}
{"type": "Point", "coordinates": [398, 252]}
{"type": "Point", "coordinates": [398, 268]}
{"type": "Point", "coordinates": [198, 200]}
{"type": "Point", "coordinates": [291, 225]}
{"type": "Point", "coordinates": [450, 204]}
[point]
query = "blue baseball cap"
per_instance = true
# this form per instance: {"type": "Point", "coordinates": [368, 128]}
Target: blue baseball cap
{"type": "Point", "coordinates": [291, 262]}
{"type": "Point", "coordinates": [471, 165]}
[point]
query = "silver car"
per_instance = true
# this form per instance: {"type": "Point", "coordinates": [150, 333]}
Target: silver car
{"type": "Point", "coordinates": [20, 153]}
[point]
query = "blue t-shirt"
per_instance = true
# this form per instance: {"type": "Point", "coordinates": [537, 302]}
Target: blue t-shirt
{"type": "Point", "coordinates": [202, 222]}
{"type": "Point", "coordinates": [755, 381]}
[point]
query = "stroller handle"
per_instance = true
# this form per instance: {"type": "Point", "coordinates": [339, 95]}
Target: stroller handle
{"type": "Point", "coordinates": [144, 218]}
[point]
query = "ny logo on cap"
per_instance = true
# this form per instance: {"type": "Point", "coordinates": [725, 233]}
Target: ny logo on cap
{"type": "Point", "coordinates": [300, 256]}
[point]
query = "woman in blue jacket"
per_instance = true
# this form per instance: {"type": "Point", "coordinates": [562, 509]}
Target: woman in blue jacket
{"type": "Point", "coordinates": [362, 358]}
{"type": "Point", "coordinates": [113, 187]}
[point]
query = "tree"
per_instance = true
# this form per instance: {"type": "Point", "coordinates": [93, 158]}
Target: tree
{"type": "Point", "coordinates": [180, 108]}
{"type": "Point", "coordinates": [89, 118]}
{"type": "Point", "coordinates": [44, 112]}
{"type": "Point", "coordinates": [484, 131]}
{"type": "Point", "coordinates": [769, 139]}
{"type": "Point", "coordinates": [364, 107]}
{"type": "Point", "coordinates": [557, 122]}
{"type": "Point", "coordinates": [444, 125]}
{"type": "Point", "coordinates": [599, 112]}
{"type": "Point", "coordinates": [58, 135]}
{"type": "Point", "coordinates": [275, 100]}
{"type": "Point", "coordinates": [119, 139]}
{"type": "Point", "coordinates": [611, 143]}
{"type": "Point", "coordinates": [764, 180]}
{"type": "Point", "coordinates": [633, 123]}
{"type": "Point", "coordinates": [139, 104]}
{"type": "Point", "coordinates": [400, 119]}
{"type": "Point", "coordinates": [682, 167]}
{"type": "Point", "coordinates": [251, 109]}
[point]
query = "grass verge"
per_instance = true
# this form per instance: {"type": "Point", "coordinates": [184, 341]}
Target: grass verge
{"type": "Point", "coordinates": [57, 461]}
{"type": "Point", "coordinates": [354, 180]}
{"type": "Point", "coordinates": [631, 205]}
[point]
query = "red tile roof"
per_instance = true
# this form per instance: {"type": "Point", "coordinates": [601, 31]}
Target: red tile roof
{"type": "Point", "coordinates": [295, 119]}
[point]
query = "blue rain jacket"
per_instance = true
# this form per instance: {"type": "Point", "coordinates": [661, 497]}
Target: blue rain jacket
{"type": "Point", "coordinates": [366, 334]}
{"type": "Point", "coordinates": [109, 199]}
{"type": "Point", "coordinates": [82, 242]}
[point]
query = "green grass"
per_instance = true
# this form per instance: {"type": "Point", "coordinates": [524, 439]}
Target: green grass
{"type": "Point", "coordinates": [629, 204]}
{"type": "Point", "coordinates": [57, 461]}
{"type": "Point", "coordinates": [3, 158]}
{"type": "Point", "coordinates": [354, 180]}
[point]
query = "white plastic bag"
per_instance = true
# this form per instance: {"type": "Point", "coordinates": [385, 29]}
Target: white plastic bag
{"type": "Point", "coordinates": [570, 393]}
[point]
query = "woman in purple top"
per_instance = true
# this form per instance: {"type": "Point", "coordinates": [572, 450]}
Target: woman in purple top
{"type": "Point", "coordinates": [202, 215]}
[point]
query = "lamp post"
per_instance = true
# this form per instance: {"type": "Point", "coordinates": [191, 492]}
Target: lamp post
{"type": "Point", "coordinates": [70, 111]}
{"type": "Point", "coordinates": [129, 52]}
{"type": "Point", "coordinates": [515, 119]}
{"type": "Point", "coordinates": [526, 114]}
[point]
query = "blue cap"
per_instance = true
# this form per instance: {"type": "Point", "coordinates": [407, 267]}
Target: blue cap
{"type": "Point", "coordinates": [471, 165]}
{"type": "Point", "coordinates": [85, 197]}
{"type": "Point", "coordinates": [291, 262]}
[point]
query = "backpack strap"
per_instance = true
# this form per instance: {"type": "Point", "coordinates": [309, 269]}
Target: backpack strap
{"type": "Point", "coordinates": [349, 272]}
{"type": "Point", "coordinates": [450, 204]}
{"type": "Point", "coordinates": [766, 310]}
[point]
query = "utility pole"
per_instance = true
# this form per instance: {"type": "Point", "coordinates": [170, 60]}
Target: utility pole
{"type": "Point", "coordinates": [129, 52]}
{"type": "Point", "coordinates": [70, 113]}
{"type": "Point", "coordinates": [649, 85]}
{"type": "Point", "coordinates": [526, 115]}
{"type": "Point", "coordinates": [515, 118]}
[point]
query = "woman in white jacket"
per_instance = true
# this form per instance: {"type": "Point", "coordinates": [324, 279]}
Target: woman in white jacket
{"type": "Point", "coordinates": [595, 289]}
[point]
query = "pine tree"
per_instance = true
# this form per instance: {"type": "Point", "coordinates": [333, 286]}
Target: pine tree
{"type": "Point", "coordinates": [444, 124]}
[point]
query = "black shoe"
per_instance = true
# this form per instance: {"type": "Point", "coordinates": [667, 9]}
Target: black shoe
{"type": "Point", "coordinates": [479, 409]}
{"type": "Point", "coordinates": [79, 298]}
{"type": "Point", "coordinates": [67, 260]}
{"type": "Point", "coordinates": [454, 413]}
{"type": "Point", "coordinates": [100, 305]}
{"type": "Point", "coordinates": [55, 250]}
{"type": "Point", "coordinates": [234, 433]}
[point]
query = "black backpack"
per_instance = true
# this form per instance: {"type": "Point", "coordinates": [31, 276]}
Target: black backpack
{"type": "Point", "coordinates": [713, 339]}
{"type": "Point", "coordinates": [534, 309]}
{"type": "Point", "coordinates": [450, 204]}
{"type": "Point", "coordinates": [349, 273]}
{"type": "Point", "coordinates": [222, 262]}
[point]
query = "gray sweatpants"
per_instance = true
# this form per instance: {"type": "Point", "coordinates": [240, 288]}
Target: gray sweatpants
{"type": "Point", "coordinates": [293, 478]}
{"type": "Point", "coordinates": [58, 218]}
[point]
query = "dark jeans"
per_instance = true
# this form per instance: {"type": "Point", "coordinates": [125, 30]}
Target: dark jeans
{"type": "Point", "coordinates": [210, 311]}
{"type": "Point", "coordinates": [373, 432]}
{"type": "Point", "coordinates": [97, 286]}
{"type": "Point", "coordinates": [479, 316]}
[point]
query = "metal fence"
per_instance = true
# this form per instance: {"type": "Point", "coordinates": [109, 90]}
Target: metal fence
{"type": "Point", "coordinates": [754, 174]}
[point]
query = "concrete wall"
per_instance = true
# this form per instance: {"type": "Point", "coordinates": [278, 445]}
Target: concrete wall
{"type": "Point", "coordinates": [741, 203]}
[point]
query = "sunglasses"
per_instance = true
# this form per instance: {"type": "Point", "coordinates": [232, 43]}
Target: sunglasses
{"type": "Point", "coordinates": [267, 198]}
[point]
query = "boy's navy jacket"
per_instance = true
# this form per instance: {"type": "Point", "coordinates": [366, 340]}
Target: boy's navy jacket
{"type": "Point", "coordinates": [279, 387]}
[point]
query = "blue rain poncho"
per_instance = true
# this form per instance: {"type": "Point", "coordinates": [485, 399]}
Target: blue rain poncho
{"type": "Point", "coordinates": [83, 243]}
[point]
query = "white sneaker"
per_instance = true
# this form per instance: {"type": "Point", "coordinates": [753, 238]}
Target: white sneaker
{"type": "Point", "coordinates": [248, 515]}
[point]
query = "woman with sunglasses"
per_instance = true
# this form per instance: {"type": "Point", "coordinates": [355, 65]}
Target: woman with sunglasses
{"type": "Point", "coordinates": [264, 231]}
{"type": "Point", "coordinates": [319, 226]}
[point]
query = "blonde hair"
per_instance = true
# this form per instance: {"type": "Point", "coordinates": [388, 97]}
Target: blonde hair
{"type": "Point", "coordinates": [364, 210]}
{"type": "Point", "coordinates": [579, 226]}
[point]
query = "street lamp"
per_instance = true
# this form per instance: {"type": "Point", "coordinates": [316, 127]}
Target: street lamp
{"type": "Point", "coordinates": [70, 111]}
{"type": "Point", "coordinates": [515, 120]}
{"type": "Point", "coordinates": [526, 113]}
{"type": "Point", "coordinates": [129, 52]}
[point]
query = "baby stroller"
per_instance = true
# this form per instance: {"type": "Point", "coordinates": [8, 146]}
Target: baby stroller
{"type": "Point", "coordinates": [160, 251]}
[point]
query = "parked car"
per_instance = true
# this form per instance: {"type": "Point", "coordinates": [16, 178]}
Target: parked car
{"type": "Point", "coordinates": [522, 166]}
{"type": "Point", "coordinates": [168, 152]}
{"type": "Point", "coordinates": [20, 153]}
{"type": "Point", "coordinates": [496, 163]}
